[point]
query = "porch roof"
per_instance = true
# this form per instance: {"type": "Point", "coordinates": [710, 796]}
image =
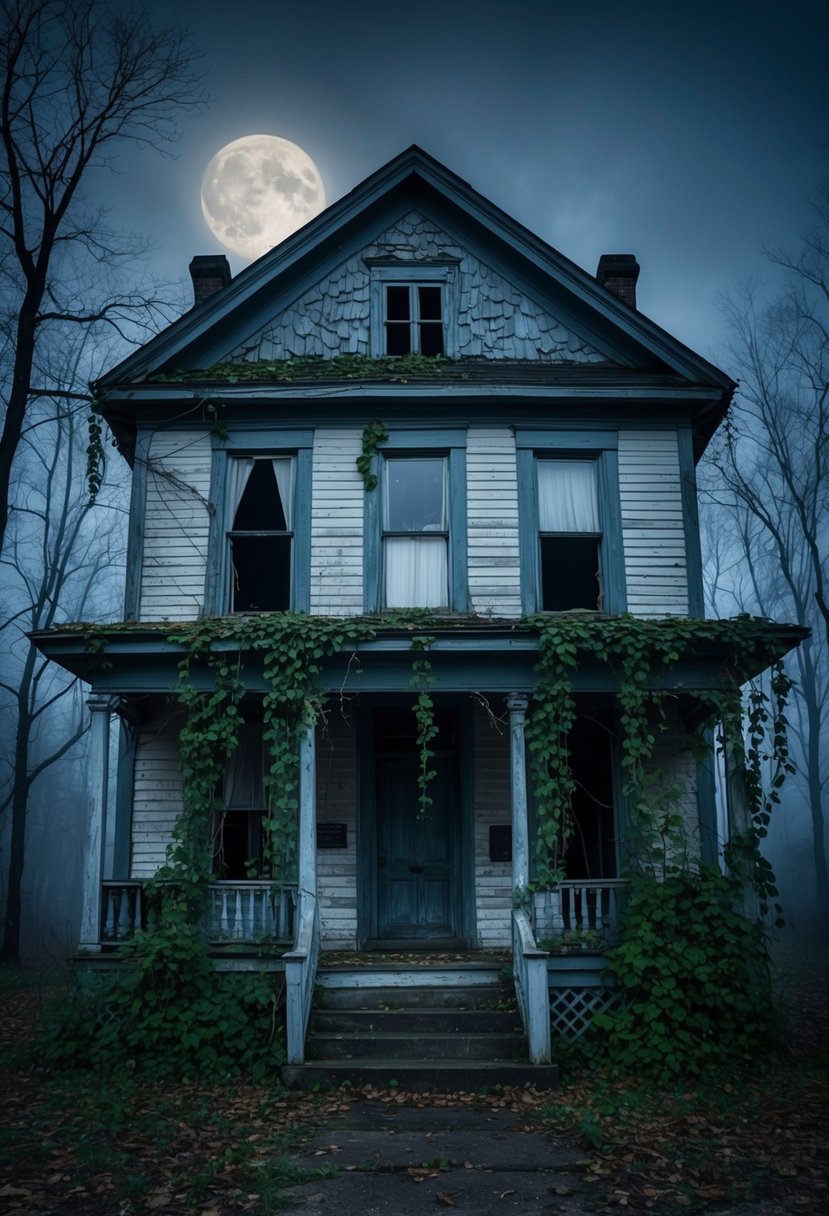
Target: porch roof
{"type": "Point", "coordinates": [466, 654]}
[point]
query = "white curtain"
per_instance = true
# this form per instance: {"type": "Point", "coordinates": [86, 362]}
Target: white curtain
{"type": "Point", "coordinates": [283, 471]}
{"type": "Point", "coordinates": [243, 786]}
{"type": "Point", "coordinates": [239, 472]}
{"type": "Point", "coordinates": [417, 573]}
{"type": "Point", "coordinates": [567, 498]}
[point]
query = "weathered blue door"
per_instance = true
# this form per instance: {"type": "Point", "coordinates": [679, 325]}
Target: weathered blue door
{"type": "Point", "coordinates": [417, 892]}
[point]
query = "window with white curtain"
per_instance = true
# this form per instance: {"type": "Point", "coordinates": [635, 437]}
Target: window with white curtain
{"type": "Point", "coordinates": [261, 499]}
{"type": "Point", "coordinates": [569, 534]}
{"type": "Point", "coordinates": [415, 532]}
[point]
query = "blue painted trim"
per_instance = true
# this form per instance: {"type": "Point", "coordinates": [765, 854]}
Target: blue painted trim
{"type": "Point", "coordinates": [424, 438]}
{"type": "Point", "coordinates": [586, 438]}
{"type": "Point", "coordinates": [135, 533]}
{"type": "Point", "coordinates": [214, 598]}
{"type": "Point", "coordinates": [458, 533]}
{"type": "Point", "coordinates": [124, 785]}
{"type": "Point", "coordinates": [690, 521]}
{"type": "Point", "coordinates": [465, 861]}
{"type": "Point", "coordinates": [366, 831]}
{"type": "Point", "coordinates": [611, 552]}
{"type": "Point", "coordinates": [250, 438]}
{"type": "Point", "coordinates": [301, 550]}
{"type": "Point", "coordinates": [372, 541]}
{"type": "Point", "coordinates": [527, 529]}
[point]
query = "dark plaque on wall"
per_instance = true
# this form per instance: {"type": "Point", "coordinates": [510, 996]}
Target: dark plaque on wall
{"type": "Point", "coordinates": [332, 835]}
{"type": "Point", "coordinates": [500, 842]}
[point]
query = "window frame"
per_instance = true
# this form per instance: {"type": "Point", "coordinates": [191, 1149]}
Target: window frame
{"type": "Point", "coordinates": [450, 445]}
{"type": "Point", "coordinates": [413, 274]}
{"type": "Point", "coordinates": [601, 447]}
{"type": "Point", "coordinates": [259, 445]}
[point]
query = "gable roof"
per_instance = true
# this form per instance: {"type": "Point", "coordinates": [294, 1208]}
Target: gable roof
{"type": "Point", "coordinates": [412, 177]}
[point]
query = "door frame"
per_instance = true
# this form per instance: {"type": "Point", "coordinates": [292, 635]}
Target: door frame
{"type": "Point", "coordinates": [463, 828]}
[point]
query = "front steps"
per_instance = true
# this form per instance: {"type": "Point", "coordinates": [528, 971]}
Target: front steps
{"type": "Point", "coordinates": [449, 1027]}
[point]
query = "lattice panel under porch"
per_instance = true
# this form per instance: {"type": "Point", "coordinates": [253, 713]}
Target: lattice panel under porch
{"type": "Point", "coordinates": [571, 1009]}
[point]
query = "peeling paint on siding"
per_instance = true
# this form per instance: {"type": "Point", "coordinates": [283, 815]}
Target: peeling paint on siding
{"type": "Point", "coordinates": [337, 524]}
{"type": "Point", "coordinates": [492, 522]}
{"type": "Point", "coordinates": [653, 529]}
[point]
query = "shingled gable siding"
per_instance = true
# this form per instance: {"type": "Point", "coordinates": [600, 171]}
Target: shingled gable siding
{"type": "Point", "coordinates": [337, 524]}
{"type": "Point", "coordinates": [493, 880]}
{"type": "Point", "coordinates": [494, 318]}
{"type": "Point", "coordinates": [157, 796]}
{"type": "Point", "coordinates": [337, 803]}
{"type": "Point", "coordinates": [492, 514]}
{"type": "Point", "coordinates": [652, 523]}
{"type": "Point", "coordinates": [176, 526]}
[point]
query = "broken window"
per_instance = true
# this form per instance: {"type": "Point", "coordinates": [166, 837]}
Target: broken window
{"type": "Point", "coordinates": [261, 536]}
{"type": "Point", "coordinates": [416, 532]}
{"type": "Point", "coordinates": [237, 835]}
{"type": "Point", "coordinates": [413, 319]}
{"type": "Point", "coordinates": [569, 535]}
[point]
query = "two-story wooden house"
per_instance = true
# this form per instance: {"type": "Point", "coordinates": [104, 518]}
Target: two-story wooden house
{"type": "Point", "coordinates": [529, 443]}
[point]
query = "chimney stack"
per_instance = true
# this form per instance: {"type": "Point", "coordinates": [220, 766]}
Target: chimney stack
{"type": "Point", "coordinates": [210, 273]}
{"type": "Point", "coordinates": [619, 272]}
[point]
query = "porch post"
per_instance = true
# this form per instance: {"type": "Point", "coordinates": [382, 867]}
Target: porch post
{"type": "Point", "coordinates": [307, 861]}
{"type": "Point", "coordinates": [93, 862]}
{"type": "Point", "coordinates": [517, 705]}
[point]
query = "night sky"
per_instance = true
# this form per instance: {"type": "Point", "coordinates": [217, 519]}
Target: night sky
{"type": "Point", "coordinates": [686, 133]}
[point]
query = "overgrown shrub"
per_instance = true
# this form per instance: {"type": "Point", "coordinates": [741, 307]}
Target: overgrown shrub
{"type": "Point", "coordinates": [697, 976]}
{"type": "Point", "coordinates": [165, 1011]}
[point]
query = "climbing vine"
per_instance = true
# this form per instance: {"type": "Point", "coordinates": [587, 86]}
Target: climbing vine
{"type": "Point", "coordinates": [374, 433]}
{"type": "Point", "coordinates": [424, 712]}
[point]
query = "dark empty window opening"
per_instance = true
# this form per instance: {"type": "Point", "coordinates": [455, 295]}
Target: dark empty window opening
{"type": "Point", "coordinates": [570, 573]}
{"type": "Point", "coordinates": [238, 834]}
{"type": "Point", "coordinates": [261, 537]}
{"type": "Point", "coordinates": [591, 853]}
{"type": "Point", "coordinates": [414, 319]}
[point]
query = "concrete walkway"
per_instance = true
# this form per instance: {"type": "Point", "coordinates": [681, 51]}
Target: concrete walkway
{"type": "Point", "coordinates": [398, 1160]}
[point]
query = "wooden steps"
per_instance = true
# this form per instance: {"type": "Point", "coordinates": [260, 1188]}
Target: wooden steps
{"type": "Point", "coordinates": [437, 1027]}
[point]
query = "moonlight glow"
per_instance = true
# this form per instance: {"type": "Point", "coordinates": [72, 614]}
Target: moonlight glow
{"type": "Point", "coordinates": [257, 190]}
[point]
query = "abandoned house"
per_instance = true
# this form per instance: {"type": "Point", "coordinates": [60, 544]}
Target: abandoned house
{"type": "Point", "coordinates": [415, 413]}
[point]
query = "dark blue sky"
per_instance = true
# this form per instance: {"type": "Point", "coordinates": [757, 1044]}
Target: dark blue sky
{"type": "Point", "coordinates": [686, 133]}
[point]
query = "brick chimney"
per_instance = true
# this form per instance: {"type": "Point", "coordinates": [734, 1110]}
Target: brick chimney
{"type": "Point", "coordinates": [210, 273]}
{"type": "Point", "coordinates": [619, 272]}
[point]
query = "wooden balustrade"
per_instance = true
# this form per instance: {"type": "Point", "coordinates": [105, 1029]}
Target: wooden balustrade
{"type": "Point", "coordinates": [580, 913]}
{"type": "Point", "coordinates": [123, 910]}
{"type": "Point", "coordinates": [242, 911]}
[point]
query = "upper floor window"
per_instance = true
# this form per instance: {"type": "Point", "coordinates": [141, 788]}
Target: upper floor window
{"type": "Point", "coordinates": [570, 535]}
{"type": "Point", "coordinates": [413, 308]}
{"type": "Point", "coordinates": [413, 319]}
{"type": "Point", "coordinates": [415, 532]}
{"type": "Point", "coordinates": [261, 533]}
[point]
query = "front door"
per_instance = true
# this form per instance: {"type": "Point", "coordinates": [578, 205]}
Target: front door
{"type": "Point", "coordinates": [418, 887]}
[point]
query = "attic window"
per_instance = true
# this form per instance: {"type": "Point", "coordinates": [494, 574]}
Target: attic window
{"type": "Point", "coordinates": [413, 319]}
{"type": "Point", "coordinates": [261, 533]}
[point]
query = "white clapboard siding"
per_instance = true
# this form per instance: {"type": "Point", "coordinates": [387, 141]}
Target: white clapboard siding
{"type": "Point", "coordinates": [157, 797]}
{"type": "Point", "coordinates": [337, 524]}
{"type": "Point", "coordinates": [492, 522]}
{"type": "Point", "coordinates": [176, 526]}
{"type": "Point", "coordinates": [493, 880]}
{"type": "Point", "coordinates": [337, 803]}
{"type": "Point", "coordinates": [653, 530]}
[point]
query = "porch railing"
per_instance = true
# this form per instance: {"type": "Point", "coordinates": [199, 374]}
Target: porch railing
{"type": "Point", "coordinates": [529, 965]}
{"type": "Point", "coordinates": [580, 913]}
{"type": "Point", "coordinates": [301, 974]}
{"type": "Point", "coordinates": [242, 911]}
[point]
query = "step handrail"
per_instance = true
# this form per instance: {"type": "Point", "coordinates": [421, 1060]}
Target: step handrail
{"type": "Point", "coordinates": [529, 966]}
{"type": "Point", "coordinates": [301, 974]}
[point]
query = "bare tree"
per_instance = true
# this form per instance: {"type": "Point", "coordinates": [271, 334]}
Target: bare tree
{"type": "Point", "coordinates": [769, 467]}
{"type": "Point", "coordinates": [79, 80]}
{"type": "Point", "coordinates": [58, 565]}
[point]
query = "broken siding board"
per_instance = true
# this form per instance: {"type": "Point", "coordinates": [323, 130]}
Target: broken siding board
{"type": "Point", "coordinates": [492, 540]}
{"type": "Point", "coordinates": [653, 530]}
{"type": "Point", "coordinates": [176, 526]}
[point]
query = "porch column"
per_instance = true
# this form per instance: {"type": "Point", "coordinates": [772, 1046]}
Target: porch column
{"type": "Point", "coordinates": [517, 705]}
{"type": "Point", "coordinates": [93, 862]}
{"type": "Point", "coordinates": [307, 860]}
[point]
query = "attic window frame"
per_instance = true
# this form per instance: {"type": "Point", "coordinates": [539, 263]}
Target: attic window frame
{"type": "Point", "coordinates": [441, 274]}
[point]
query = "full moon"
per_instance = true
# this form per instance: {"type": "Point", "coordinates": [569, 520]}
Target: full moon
{"type": "Point", "coordinates": [257, 190]}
